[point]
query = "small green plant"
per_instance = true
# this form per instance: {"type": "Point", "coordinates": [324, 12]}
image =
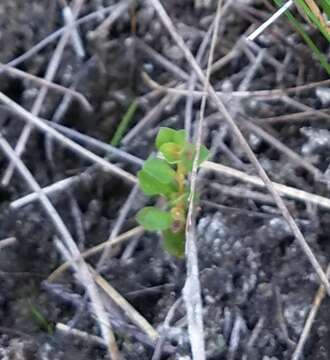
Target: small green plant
{"type": "Point", "coordinates": [124, 123]}
{"type": "Point", "coordinates": [40, 319]}
{"type": "Point", "coordinates": [167, 177]}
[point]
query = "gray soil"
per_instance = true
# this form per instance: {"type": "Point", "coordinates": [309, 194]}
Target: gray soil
{"type": "Point", "coordinates": [257, 286]}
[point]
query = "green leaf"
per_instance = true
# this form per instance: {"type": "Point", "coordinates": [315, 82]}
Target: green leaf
{"type": "Point", "coordinates": [154, 219]}
{"type": "Point", "coordinates": [171, 152]}
{"type": "Point", "coordinates": [189, 155]}
{"type": "Point", "coordinates": [203, 154]}
{"type": "Point", "coordinates": [160, 170]}
{"type": "Point", "coordinates": [167, 135]}
{"type": "Point", "coordinates": [151, 186]}
{"type": "Point", "coordinates": [174, 243]}
{"type": "Point", "coordinates": [124, 123]}
{"type": "Point", "coordinates": [40, 319]}
{"type": "Point", "coordinates": [164, 136]}
{"type": "Point", "coordinates": [180, 137]}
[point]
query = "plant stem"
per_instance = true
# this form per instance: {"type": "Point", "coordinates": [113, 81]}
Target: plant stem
{"type": "Point", "coordinates": [180, 209]}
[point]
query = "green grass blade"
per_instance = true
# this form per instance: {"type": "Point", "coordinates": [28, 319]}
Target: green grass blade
{"type": "Point", "coordinates": [300, 29]}
{"type": "Point", "coordinates": [124, 123]}
{"type": "Point", "coordinates": [39, 318]}
{"type": "Point", "coordinates": [325, 4]}
{"type": "Point", "coordinates": [314, 18]}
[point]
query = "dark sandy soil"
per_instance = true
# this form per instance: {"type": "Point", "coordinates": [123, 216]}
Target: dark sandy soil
{"type": "Point", "coordinates": [257, 286]}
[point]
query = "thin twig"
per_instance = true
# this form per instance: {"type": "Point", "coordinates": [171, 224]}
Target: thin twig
{"type": "Point", "coordinates": [109, 149]}
{"type": "Point", "coordinates": [293, 156]}
{"type": "Point", "coordinates": [223, 61]}
{"type": "Point", "coordinates": [297, 104]}
{"type": "Point", "coordinates": [69, 331]}
{"type": "Point", "coordinates": [77, 44]}
{"type": "Point", "coordinates": [180, 90]}
{"type": "Point", "coordinates": [41, 125]}
{"type": "Point", "coordinates": [251, 72]}
{"type": "Point", "coordinates": [239, 327]}
{"type": "Point", "coordinates": [112, 348]}
{"type": "Point", "coordinates": [320, 295]}
{"type": "Point", "coordinates": [48, 190]}
{"type": "Point", "coordinates": [57, 116]}
{"type": "Point", "coordinates": [192, 83]}
{"type": "Point", "coordinates": [192, 289]}
{"type": "Point", "coordinates": [254, 336]}
{"type": "Point", "coordinates": [63, 106]}
{"type": "Point", "coordinates": [77, 220]}
{"type": "Point", "coordinates": [117, 226]}
{"type": "Point", "coordinates": [129, 310]}
{"type": "Point", "coordinates": [51, 85]}
{"type": "Point", "coordinates": [279, 316]}
{"type": "Point", "coordinates": [94, 250]}
{"type": "Point", "coordinates": [271, 20]}
{"type": "Point", "coordinates": [7, 242]}
{"type": "Point", "coordinates": [284, 190]}
{"type": "Point", "coordinates": [166, 324]}
{"type": "Point", "coordinates": [239, 210]}
{"type": "Point", "coordinates": [102, 29]}
{"type": "Point", "coordinates": [159, 58]}
{"type": "Point", "coordinates": [294, 117]}
{"type": "Point", "coordinates": [243, 193]}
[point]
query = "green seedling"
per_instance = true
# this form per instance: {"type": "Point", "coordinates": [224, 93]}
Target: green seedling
{"type": "Point", "coordinates": [317, 16]}
{"type": "Point", "coordinates": [124, 123]}
{"type": "Point", "coordinates": [40, 319]}
{"type": "Point", "coordinates": [167, 177]}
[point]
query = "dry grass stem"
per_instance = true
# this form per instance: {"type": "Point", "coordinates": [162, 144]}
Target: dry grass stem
{"type": "Point", "coordinates": [51, 85]}
{"type": "Point", "coordinates": [110, 150]}
{"type": "Point", "coordinates": [33, 120]}
{"type": "Point", "coordinates": [48, 190]}
{"type": "Point", "coordinates": [75, 37]}
{"type": "Point", "coordinates": [7, 242]}
{"type": "Point", "coordinates": [320, 295]}
{"type": "Point", "coordinates": [102, 29]}
{"type": "Point", "coordinates": [94, 250]}
{"type": "Point", "coordinates": [271, 20]}
{"type": "Point", "coordinates": [296, 118]}
{"type": "Point", "coordinates": [291, 155]}
{"type": "Point", "coordinates": [166, 324]}
{"type": "Point", "coordinates": [128, 309]}
{"type": "Point", "coordinates": [180, 90]}
{"type": "Point", "coordinates": [243, 193]}
{"type": "Point", "coordinates": [117, 226]}
{"type": "Point", "coordinates": [192, 289]}
{"type": "Point", "coordinates": [103, 321]}
{"type": "Point", "coordinates": [69, 331]}
{"type": "Point", "coordinates": [284, 190]}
